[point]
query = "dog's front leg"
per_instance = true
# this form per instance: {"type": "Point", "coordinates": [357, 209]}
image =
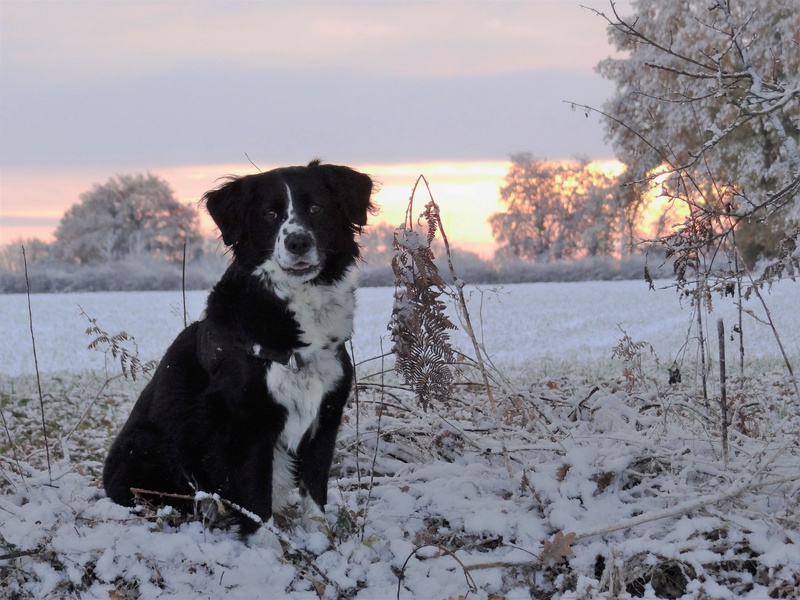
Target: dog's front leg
{"type": "Point", "coordinates": [255, 487]}
{"type": "Point", "coordinates": [258, 527]}
{"type": "Point", "coordinates": [315, 456]}
{"type": "Point", "coordinates": [239, 451]}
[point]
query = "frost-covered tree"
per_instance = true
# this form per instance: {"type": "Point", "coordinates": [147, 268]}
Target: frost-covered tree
{"type": "Point", "coordinates": [376, 244]}
{"type": "Point", "coordinates": [129, 215]}
{"type": "Point", "coordinates": [709, 92]}
{"type": "Point", "coordinates": [707, 113]}
{"type": "Point", "coordinates": [36, 252]}
{"type": "Point", "coordinates": [554, 210]}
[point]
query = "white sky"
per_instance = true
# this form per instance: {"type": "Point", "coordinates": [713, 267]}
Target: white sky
{"type": "Point", "coordinates": [93, 88]}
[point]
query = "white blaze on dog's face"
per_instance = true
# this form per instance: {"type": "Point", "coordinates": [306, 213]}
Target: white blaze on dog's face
{"type": "Point", "coordinates": [295, 252]}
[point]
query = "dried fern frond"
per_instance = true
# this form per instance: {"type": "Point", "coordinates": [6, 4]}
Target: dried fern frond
{"type": "Point", "coordinates": [419, 324]}
{"type": "Point", "coordinates": [118, 346]}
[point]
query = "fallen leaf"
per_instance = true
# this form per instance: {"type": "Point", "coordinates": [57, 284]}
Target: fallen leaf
{"type": "Point", "coordinates": [558, 550]}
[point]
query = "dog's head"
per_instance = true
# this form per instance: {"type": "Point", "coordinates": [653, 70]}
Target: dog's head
{"type": "Point", "coordinates": [295, 223]}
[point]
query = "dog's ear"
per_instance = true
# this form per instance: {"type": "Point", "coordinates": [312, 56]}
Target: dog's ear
{"type": "Point", "coordinates": [227, 205]}
{"type": "Point", "coordinates": [354, 190]}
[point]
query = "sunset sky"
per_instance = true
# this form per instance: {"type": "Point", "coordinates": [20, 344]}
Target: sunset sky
{"type": "Point", "coordinates": [187, 90]}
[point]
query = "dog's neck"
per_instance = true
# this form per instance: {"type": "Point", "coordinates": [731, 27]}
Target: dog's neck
{"type": "Point", "coordinates": [323, 312]}
{"type": "Point", "coordinates": [322, 315]}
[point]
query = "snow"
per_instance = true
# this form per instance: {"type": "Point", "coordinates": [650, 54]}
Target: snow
{"type": "Point", "coordinates": [423, 502]}
{"type": "Point", "coordinates": [539, 329]}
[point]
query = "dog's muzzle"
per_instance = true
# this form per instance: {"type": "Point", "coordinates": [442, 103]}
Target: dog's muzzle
{"type": "Point", "coordinates": [301, 258]}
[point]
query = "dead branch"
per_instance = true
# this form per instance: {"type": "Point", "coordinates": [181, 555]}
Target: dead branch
{"type": "Point", "coordinates": [687, 507]}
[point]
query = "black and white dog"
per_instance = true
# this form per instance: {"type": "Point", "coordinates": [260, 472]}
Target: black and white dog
{"type": "Point", "coordinates": [247, 402]}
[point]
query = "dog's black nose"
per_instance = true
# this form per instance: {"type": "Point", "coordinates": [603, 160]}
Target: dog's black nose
{"type": "Point", "coordinates": [299, 243]}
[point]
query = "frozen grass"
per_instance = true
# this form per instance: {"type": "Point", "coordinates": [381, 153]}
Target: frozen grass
{"type": "Point", "coordinates": [422, 502]}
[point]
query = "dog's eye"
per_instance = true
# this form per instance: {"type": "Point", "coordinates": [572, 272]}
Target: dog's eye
{"type": "Point", "coordinates": [271, 215]}
{"type": "Point", "coordinates": [315, 209]}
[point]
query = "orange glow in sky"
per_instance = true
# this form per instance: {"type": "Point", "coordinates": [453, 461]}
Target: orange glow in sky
{"type": "Point", "coordinates": [662, 213]}
{"type": "Point", "coordinates": [467, 193]}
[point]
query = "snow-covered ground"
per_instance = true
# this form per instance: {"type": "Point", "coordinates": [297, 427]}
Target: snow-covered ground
{"type": "Point", "coordinates": [591, 478]}
{"type": "Point", "coordinates": [528, 329]}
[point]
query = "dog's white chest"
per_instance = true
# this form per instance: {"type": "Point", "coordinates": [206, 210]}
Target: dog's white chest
{"type": "Point", "coordinates": [325, 317]}
{"type": "Point", "coordinates": [301, 392]}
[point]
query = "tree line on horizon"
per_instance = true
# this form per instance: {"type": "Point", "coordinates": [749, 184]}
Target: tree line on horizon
{"type": "Point", "coordinates": [132, 233]}
{"type": "Point", "coordinates": [564, 221]}
{"type": "Point", "coordinates": [555, 211]}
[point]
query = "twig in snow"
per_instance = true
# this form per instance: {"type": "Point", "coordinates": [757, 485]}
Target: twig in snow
{"type": "Point", "coordinates": [91, 405]}
{"type": "Point", "coordinates": [20, 554]}
{"type": "Point", "coordinates": [377, 441]}
{"type": "Point", "coordinates": [36, 365]}
{"type": "Point", "coordinates": [686, 507]}
{"type": "Point", "coordinates": [183, 286]}
{"type": "Point", "coordinates": [13, 446]}
{"type": "Point", "coordinates": [357, 398]}
{"type": "Point", "coordinates": [723, 401]}
{"type": "Point", "coordinates": [777, 336]}
{"type": "Point", "coordinates": [470, 581]}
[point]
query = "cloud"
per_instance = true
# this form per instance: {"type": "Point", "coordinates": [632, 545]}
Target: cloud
{"type": "Point", "coordinates": [80, 39]}
{"type": "Point", "coordinates": [26, 221]}
{"type": "Point", "coordinates": [198, 115]}
{"type": "Point", "coordinates": [150, 84]}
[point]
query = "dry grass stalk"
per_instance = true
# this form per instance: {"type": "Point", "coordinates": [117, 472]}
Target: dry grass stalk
{"type": "Point", "coordinates": [36, 365]}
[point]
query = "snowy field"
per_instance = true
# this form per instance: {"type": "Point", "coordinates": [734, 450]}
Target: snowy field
{"type": "Point", "coordinates": [591, 478]}
{"type": "Point", "coordinates": [530, 330]}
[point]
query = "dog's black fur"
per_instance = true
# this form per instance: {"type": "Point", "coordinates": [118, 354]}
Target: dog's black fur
{"type": "Point", "coordinates": [264, 375]}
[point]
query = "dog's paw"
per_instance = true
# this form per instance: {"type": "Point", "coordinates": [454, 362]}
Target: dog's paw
{"type": "Point", "coordinates": [313, 518]}
{"type": "Point", "coordinates": [319, 537]}
{"type": "Point", "coordinates": [264, 537]}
